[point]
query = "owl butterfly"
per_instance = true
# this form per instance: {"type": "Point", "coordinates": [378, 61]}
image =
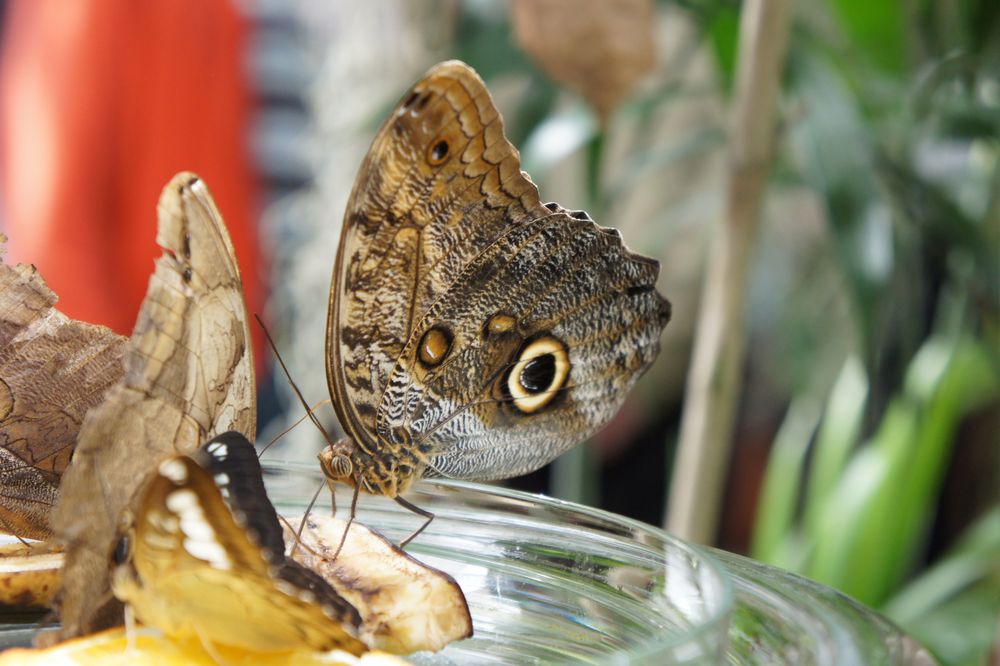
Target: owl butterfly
{"type": "Point", "coordinates": [203, 558]}
{"type": "Point", "coordinates": [188, 376]}
{"type": "Point", "coordinates": [473, 332]}
{"type": "Point", "coordinates": [52, 370]}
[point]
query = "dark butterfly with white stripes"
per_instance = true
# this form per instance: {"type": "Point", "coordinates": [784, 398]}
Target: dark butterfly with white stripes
{"type": "Point", "coordinates": [203, 558]}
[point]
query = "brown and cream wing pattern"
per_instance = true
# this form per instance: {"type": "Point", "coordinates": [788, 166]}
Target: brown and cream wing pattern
{"type": "Point", "coordinates": [53, 369]}
{"type": "Point", "coordinates": [475, 332]}
{"type": "Point", "coordinates": [548, 329]}
{"type": "Point", "coordinates": [440, 183]}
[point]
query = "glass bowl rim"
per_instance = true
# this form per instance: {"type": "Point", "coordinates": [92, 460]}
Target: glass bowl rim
{"type": "Point", "coordinates": [716, 621]}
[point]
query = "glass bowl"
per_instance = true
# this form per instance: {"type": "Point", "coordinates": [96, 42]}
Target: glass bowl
{"type": "Point", "coordinates": [550, 581]}
{"type": "Point", "coordinates": [547, 581]}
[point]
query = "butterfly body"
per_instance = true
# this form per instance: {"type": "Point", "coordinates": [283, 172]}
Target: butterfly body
{"type": "Point", "coordinates": [205, 559]}
{"type": "Point", "coordinates": [473, 332]}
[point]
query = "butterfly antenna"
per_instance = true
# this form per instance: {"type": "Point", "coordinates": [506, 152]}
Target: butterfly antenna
{"type": "Point", "coordinates": [347, 528]}
{"type": "Point", "coordinates": [289, 428]}
{"type": "Point", "coordinates": [288, 375]}
{"type": "Point", "coordinates": [297, 537]}
{"type": "Point", "coordinates": [420, 512]}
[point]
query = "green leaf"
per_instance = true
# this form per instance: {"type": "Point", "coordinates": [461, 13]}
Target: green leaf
{"type": "Point", "coordinates": [874, 521]}
{"type": "Point", "coordinates": [838, 435]}
{"type": "Point", "coordinates": [723, 32]}
{"type": "Point", "coordinates": [961, 631]}
{"type": "Point", "coordinates": [858, 517]}
{"type": "Point", "coordinates": [773, 531]}
{"type": "Point", "coordinates": [877, 30]}
{"type": "Point", "coordinates": [975, 558]}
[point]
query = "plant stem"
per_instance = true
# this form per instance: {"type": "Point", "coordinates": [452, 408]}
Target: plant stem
{"type": "Point", "coordinates": [714, 380]}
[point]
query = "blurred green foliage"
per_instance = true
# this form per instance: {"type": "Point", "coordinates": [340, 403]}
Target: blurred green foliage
{"type": "Point", "coordinates": [899, 133]}
{"type": "Point", "coordinates": [891, 118]}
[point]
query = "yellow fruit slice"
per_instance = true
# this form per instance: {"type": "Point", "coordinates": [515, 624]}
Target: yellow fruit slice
{"type": "Point", "coordinates": [29, 574]}
{"type": "Point", "coordinates": [149, 648]}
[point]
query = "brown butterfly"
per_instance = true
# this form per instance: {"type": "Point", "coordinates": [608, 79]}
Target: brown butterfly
{"type": "Point", "coordinates": [188, 376]}
{"type": "Point", "coordinates": [473, 332]}
{"type": "Point", "coordinates": [203, 558]}
{"type": "Point", "coordinates": [52, 370]}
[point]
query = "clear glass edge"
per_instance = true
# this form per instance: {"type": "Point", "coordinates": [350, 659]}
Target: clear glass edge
{"type": "Point", "coordinates": [705, 629]}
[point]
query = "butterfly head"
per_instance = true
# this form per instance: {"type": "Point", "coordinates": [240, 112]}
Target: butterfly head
{"type": "Point", "coordinates": [388, 472]}
{"type": "Point", "coordinates": [337, 462]}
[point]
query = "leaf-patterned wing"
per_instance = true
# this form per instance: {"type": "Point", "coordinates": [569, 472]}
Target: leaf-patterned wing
{"type": "Point", "coordinates": [207, 560]}
{"type": "Point", "coordinates": [440, 183]}
{"type": "Point", "coordinates": [188, 376]}
{"type": "Point", "coordinates": [52, 370]}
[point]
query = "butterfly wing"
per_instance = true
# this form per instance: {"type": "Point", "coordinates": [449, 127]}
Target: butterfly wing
{"type": "Point", "coordinates": [550, 328]}
{"type": "Point", "coordinates": [207, 560]}
{"type": "Point", "coordinates": [52, 370]}
{"type": "Point", "coordinates": [440, 183]}
{"type": "Point", "coordinates": [452, 279]}
{"type": "Point", "coordinates": [188, 376]}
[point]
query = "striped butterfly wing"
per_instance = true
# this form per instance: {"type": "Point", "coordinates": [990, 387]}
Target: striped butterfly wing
{"type": "Point", "coordinates": [206, 560]}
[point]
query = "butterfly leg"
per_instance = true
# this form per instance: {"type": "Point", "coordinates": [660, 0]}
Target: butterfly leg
{"type": "Point", "coordinates": [347, 527]}
{"type": "Point", "coordinates": [420, 512]}
{"type": "Point", "coordinates": [129, 632]}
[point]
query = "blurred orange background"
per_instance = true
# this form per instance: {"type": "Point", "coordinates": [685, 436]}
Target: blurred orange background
{"type": "Point", "coordinates": [101, 102]}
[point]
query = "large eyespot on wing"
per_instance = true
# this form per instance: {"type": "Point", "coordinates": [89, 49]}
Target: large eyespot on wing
{"type": "Point", "coordinates": [53, 369]}
{"type": "Point", "coordinates": [552, 325]}
{"type": "Point", "coordinates": [439, 184]}
{"type": "Point", "coordinates": [537, 375]}
{"type": "Point", "coordinates": [188, 375]}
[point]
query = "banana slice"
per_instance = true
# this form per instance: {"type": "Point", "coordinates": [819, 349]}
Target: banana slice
{"type": "Point", "coordinates": [405, 605]}
{"type": "Point", "coordinates": [29, 574]}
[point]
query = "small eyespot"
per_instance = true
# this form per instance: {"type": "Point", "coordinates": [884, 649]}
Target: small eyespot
{"type": "Point", "coordinates": [438, 152]}
{"type": "Point", "coordinates": [434, 346]}
{"type": "Point", "coordinates": [187, 273]}
{"type": "Point", "coordinates": [539, 372]}
{"type": "Point", "coordinates": [498, 324]}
